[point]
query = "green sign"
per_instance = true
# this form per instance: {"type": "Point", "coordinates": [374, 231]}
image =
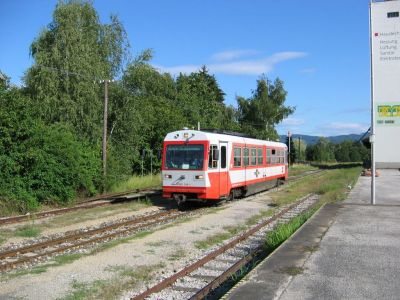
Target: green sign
{"type": "Point", "coordinates": [388, 114]}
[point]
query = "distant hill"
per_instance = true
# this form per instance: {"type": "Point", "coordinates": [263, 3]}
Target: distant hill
{"type": "Point", "coordinates": [311, 139]}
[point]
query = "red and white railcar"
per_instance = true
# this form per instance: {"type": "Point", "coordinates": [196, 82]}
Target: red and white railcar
{"type": "Point", "coordinates": [199, 165]}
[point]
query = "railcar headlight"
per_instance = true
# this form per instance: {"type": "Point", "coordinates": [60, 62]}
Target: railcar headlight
{"type": "Point", "coordinates": [199, 177]}
{"type": "Point", "coordinates": [167, 176]}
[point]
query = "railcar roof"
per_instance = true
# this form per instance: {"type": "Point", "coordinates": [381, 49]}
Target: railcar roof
{"type": "Point", "coordinates": [195, 135]}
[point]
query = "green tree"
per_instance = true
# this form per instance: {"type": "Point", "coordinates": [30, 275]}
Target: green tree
{"type": "Point", "coordinates": [71, 55]}
{"type": "Point", "coordinates": [322, 151]}
{"type": "Point", "coordinates": [143, 108]}
{"type": "Point", "coordinates": [300, 146]}
{"type": "Point", "coordinates": [259, 114]}
{"type": "Point", "coordinates": [40, 163]}
{"type": "Point", "coordinates": [343, 150]}
{"type": "Point", "coordinates": [349, 151]}
{"type": "Point", "coordinates": [202, 100]}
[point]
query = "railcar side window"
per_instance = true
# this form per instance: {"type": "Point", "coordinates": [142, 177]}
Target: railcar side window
{"type": "Point", "coordinates": [223, 157]}
{"type": "Point", "coordinates": [260, 156]}
{"type": "Point", "coordinates": [253, 156]}
{"type": "Point", "coordinates": [246, 156]}
{"type": "Point", "coordinates": [273, 156]}
{"type": "Point", "coordinates": [213, 157]}
{"type": "Point", "coordinates": [237, 157]}
{"type": "Point", "coordinates": [268, 156]}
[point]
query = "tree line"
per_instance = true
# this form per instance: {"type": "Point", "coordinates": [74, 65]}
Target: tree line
{"type": "Point", "coordinates": [326, 151]}
{"type": "Point", "coordinates": [51, 126]}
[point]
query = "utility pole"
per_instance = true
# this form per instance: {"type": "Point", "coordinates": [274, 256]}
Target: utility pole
{"type": "Point", "coordinates": [289, 134]}
{"type": "Point", "coordinates": [298, 155]}
{"type": "Point", "coordinates": [105, 113]}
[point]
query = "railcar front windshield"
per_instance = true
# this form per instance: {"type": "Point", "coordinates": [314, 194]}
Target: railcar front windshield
{"type": "Point", "coordinates": [184, 157]}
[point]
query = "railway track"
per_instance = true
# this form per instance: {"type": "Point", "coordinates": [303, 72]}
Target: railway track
{"type": "Point", "coordinates": [82, 205]}
{"type": "Point", "coordinates": [31, 254]}
{"type": "Point", "coordinates": [306, 174]}
{"type": "Point", "coordinates": [199, 279]}
{"type": "Point", "coordinates": [93, 202]}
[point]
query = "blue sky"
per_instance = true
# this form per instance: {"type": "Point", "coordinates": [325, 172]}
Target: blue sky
{"type": "Point", "coordinates": [320, 49]}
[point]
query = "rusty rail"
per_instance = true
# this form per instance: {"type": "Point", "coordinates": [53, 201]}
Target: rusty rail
{"type": "Point", "coordinates": [189, 269]}
{"type": "Point", "coordinates": [154, 218]}
{"type": "Point", "coordinates": [87, 204]}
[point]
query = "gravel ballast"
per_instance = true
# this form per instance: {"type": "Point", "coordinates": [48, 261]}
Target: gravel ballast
{"type": "Point", "coordinates": [161, 248]}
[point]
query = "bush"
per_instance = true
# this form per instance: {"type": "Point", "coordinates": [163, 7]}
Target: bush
{"type": "Point", "coordinates": [40, 163]}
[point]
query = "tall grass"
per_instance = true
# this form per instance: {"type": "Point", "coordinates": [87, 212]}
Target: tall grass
{"type": "Point", "coordinates": [333, 185]}
{"type": "Point", "coordinates": [283, 231]}
{"type": "Point", "coordinates": [138, 182]}
{"type": "Point", "coordinates": [297, 169]}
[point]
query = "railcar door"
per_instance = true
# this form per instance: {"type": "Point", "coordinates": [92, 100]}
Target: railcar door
{"type": "Point", "coordinates": [223, 169]}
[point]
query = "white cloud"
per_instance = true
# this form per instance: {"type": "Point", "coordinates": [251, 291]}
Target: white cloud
{"type": "Point", "coordinates": [336, 128]}
{"type": "Point", "coordinates": [240, 67]}
{"type": "Point", "coordinates": [233, 54]}
{"type": "Point", "coordinates": [341, 126]}
{"type": "Point", "coordinates": [293, 122]}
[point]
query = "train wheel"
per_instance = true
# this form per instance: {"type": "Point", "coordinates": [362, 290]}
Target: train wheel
{"type": "Point", "coordinates": [231, 196]}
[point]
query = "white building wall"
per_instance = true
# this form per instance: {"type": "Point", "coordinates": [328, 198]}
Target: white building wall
{"type": "Point", "coordinates": [385, 43]}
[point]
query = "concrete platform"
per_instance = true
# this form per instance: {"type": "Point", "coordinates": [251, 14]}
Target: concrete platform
{"type": "Point", "coordinates": [349, 250]}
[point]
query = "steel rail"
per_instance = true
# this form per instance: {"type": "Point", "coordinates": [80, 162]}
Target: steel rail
{"type": "Point", "coordinates": [154, 219]}
{"type": "Point", "coordinates": [196, 265]}
{"type": "Point", "coordinates": [77, 235]}
{"type": "Point", "coordinates": [82, 205]}
{"type": "Point", "coordinates": [215, 283]}
{"type": "Point", "coordinates": [87, 203]}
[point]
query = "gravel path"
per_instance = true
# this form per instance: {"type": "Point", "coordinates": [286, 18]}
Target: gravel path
{"type": "Point", "coordinates": [169, 249]}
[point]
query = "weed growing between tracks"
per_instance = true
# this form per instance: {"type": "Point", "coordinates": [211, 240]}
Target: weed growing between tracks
{"type": "Point", "coordinates": [30, 230]}
{"type": "Point", "coordinates": [25, 231]}
{"type": "Point", "coordinates": [58, 261]}
{"type": "Point", "coordinates": [230, 231]}
{"type": "Point", "coordinates": [123, 278]}
{"type": "Point", "coordinates": [298, 169]}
